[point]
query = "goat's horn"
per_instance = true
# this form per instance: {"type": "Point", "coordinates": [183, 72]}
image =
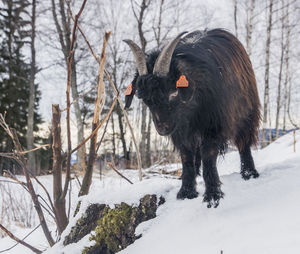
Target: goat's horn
{"type": "Point", "coordinates": [162, 64]}
{"type": "Point", "coordinates": [139, 57]}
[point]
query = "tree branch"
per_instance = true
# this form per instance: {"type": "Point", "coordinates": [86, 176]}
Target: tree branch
{"type": "Point", "coordinates": [35, 149]}
{"type": "Point", "coordinates": [112, 167]}
{"type": "Point", "coordinates": [12, 236]}
{"type": "Point", "coordinates": [58, 28]}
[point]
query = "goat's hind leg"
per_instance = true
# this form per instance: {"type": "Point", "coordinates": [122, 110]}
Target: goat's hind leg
{"type": "Point", "coordinates": [213, 193]}
{"type": "Point", "coordinates": [247, 164]}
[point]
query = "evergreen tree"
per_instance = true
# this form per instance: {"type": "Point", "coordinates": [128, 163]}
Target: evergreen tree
{"type": "Point", "coordinates": [14, 74]}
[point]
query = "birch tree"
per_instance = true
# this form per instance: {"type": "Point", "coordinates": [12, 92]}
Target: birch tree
{"type": "Point", "coordinates": [286, 60]}
{"type": "Point", "coordinates": [282, 46]}
{"type": "Point", "coordinates": [235, 11]}
{"type": "Point", "coordinates": [249, 25]}
{"type": "Point", "coordinates": [267, 72]}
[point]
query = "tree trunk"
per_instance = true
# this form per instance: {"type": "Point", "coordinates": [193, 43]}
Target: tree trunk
{"type": "Point", "coordinates": [143, 7]}
{"type": "Point", "coordinates": [267, 70]}
{"type": "Point", "coordinates": [59, 200]}
{"type": "Point", "coordinates": [143, 134]}
{"type": "Point", "coordinates": [122, 134]}
{"type": "Point", "coordinates": [30, 120]}
{"type": "Point", "coordinates": [148, 142]}
{"type": "Point", "coordinates": [113, 138]}
{"type": "Point", "coordinates": [278, 106]}
{"type": "Point", "coordinates": [81, 153]}
{"type": "Point", "coordinates": [235, 17]}
{"type": "Point", "coordinates": [249, 26]}
{"type": "Point", "coordinates": [286, 80]}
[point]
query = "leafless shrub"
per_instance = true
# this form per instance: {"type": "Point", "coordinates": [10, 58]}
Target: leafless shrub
{"type": "Point", "coordinates": [16, 209]}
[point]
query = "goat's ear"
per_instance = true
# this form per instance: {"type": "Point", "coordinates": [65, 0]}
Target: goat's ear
{"type": "Point", "coordinates": [185, 89]}
{"type": "Point", "coordinates": [129, 93]}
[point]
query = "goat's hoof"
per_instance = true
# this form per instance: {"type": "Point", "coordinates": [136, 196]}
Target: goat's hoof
{"type": "Point", "coordinates": [212, 198]}
{"type": "Point", "coordinates": [189, 193]}
{"type": "Point", "coordinates": [247, 174]}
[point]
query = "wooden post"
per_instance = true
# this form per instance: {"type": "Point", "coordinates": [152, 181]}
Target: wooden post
{"type": "Point", "coordinates": [59, 199]}
{"type": "Point", "coordinates": [294, 134]}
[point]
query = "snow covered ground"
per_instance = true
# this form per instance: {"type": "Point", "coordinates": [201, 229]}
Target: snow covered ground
{"type": "Point", "coordinates": [256, 216]}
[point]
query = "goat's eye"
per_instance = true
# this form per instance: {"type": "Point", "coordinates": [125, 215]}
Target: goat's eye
{"type": "Point", "coordinates": [173, 95]}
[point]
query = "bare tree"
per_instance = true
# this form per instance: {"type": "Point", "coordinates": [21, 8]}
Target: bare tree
{"type": "Point", "coordinates": [235, 11]}
{"type": "Point", "coordinates": [158, 26]}
{"type": "Point", "coordinates": [286, 80]}
{"type": "Point", "coordinates": [140, 16]}
{"type": "Point", "coordinates": [249, 25]}
{"type": "Point", "coordinates": [63, 28]}
{"type": "Point", "coordinates": [278, 102]}
{"type": "Point", "coordinates": [267, 72]}
{"type": "Point", "coordinates": [30, 119]}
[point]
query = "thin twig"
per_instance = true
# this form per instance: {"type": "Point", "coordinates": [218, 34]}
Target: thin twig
{"type": "Point", "coordinates": [35, 149]}
{"type": "Point", "coordinates": [98, 127]}
{"type": "Point", "coordinates": [12, 236]}
{"type": "Point", "coordinates": [103, 134]}
{"type": "Point", "coordinates": [80, 96]}
{"type": "Point", "coordinates": [47, 193]}
{"type": "Point", "coordinates": [7, 155]}
{"type": "Point", "coordinates": [76, 177]}
{"type": "Point", "coordinates": [112, 167]}
{"type": "Point", "coordinates": [83, 35]}
{"type": "Point", "coordinates": [45, 208]}
{"type": "Point", "coordinates": [7, 181]}
{"type": "Point", "coordinates": [9, 175]}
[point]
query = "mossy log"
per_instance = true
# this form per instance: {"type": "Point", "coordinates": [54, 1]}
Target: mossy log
{"type": "Point", "coordinates": [114, 229]}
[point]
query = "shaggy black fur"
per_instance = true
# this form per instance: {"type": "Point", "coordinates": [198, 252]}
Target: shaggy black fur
{"type": "Point", "coordinates": [220, 105]}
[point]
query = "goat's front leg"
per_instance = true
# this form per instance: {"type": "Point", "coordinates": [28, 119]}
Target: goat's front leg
{"type": "Point", "coordinates": [188, 188]}
{"type": "Point", "coordinates": [213, 193]}
{"type": "Point", "coordinates": [198, 160]}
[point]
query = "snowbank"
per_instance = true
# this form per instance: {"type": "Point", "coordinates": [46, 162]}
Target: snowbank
{"type": "Point", "coordinates": [256, 216]}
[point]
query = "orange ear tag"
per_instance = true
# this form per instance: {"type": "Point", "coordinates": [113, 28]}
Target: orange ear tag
{"type": "Point", "coordinates": [182, 82]}
{"type": "Point", "coordinates": [128, 90]}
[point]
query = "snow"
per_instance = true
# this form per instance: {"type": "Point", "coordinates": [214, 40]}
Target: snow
{"type": "Point", "coordinates": [256, 216]}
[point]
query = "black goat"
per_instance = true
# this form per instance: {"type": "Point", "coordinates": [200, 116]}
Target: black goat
{"type": "Point", "coordinates": [201, 91]}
